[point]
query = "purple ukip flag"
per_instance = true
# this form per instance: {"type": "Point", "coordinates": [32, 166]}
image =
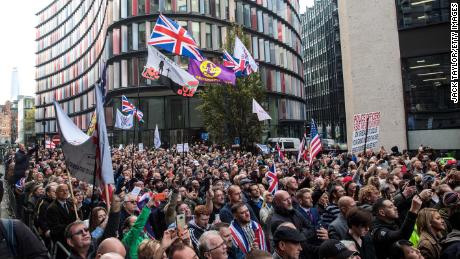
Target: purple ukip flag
{"type": "Point", "coordinates": [208, 72]}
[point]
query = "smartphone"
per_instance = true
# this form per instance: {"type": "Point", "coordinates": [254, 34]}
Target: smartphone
{"type": "Point", "coordinates": [217, 217]}
{"type": "Point", "coordinates": [180, 224]}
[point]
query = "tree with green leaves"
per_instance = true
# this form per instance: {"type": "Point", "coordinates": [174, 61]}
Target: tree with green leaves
{"type": "Point", "coordinates": [227, 109]}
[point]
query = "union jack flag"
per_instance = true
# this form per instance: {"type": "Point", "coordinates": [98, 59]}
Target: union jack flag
{"type": "Point", "coordinates": [272, 179]}
{"type": "Point", "coordinates": [139, 115]}
{"type": "Point", "coordinates": [315, 143]}
{"type": "Point", "coordinates": [280, 153]}
{"type": "Point", "coordinates": [126, 106]}
{"type": "Point", "coordinates": [170, 36]}
{"type": "Point", "coordinates": [237, 65]}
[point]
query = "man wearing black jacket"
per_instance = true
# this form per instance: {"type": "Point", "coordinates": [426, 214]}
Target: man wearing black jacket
{"type": "Point", "coordinates": [385, 231]}
{"type": "Point", "coordinates": [285, 212]}
{"type": "Point", "coordinates": [27, 245]}
{"type": "Point", "coordinates": [21, 159]}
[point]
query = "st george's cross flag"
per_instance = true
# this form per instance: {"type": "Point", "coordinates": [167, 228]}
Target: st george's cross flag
{"type": "Point", "coordinates": [315, 143]}
{"type": "Point", "coordinates": [124, 121]}
{"type": "Point", "coordinates": [261, 113]}
{"type": "Point", "coordinates": [170, 36]}
{"type": "Point", "coordinates": [241, 52]}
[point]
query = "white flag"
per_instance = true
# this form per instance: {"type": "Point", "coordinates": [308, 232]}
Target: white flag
{"type": "Point", "coordinates": [240, 51]}
{"type": "Point", "coordinates": [158, 64]}
{"type": "Point", "coordinates": [103, 139]}
{"type": "Point", "coordinates": [261, 113]}
{"type": "Point", "coordinates": [124, 121]}
{"type": "Point", "coordinates": [156, 138]}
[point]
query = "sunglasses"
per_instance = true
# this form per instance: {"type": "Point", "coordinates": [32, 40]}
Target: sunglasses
{"type": "Point", "coordinates": [81, 232]}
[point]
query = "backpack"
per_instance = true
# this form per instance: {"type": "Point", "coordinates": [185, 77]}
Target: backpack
{"type": "Point", "coordinates": [7, 230]}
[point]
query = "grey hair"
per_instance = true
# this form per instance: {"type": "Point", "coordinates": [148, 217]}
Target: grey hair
{"type": "Point", "coordinates": [203, 243]}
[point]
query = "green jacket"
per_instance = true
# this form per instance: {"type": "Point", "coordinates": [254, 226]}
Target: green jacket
{"type": "Point", "coordinates": [135, 235]}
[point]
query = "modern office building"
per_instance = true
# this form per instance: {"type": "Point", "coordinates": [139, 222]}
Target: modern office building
{"type": "Point", "coordinates": [26, 120]}
{"type": "Point", "coordinates": [395, 57]}
{"type": "Point", "coordinates": [323, 69]}
{"type": "Point", "coordinates": [75, 38]}
{"type": "Point", "coordinates": [15, 87]}
{"type": "Point", "coordinates": [5, 123]}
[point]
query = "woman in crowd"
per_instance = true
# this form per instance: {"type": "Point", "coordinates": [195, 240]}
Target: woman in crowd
{"type": "Point", "coordinates": [98, 221]}
{"type": "Point", "coordinates": [430, 227]}
{"type": "Point", "coordinates": [403, 249]}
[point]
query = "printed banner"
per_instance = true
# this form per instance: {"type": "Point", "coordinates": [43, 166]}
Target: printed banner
{"type": "Point", "coordinates": [208, 72]}
{"type": "Point", "coordinates": [360, 124]}
{"type": "Point", "coordinates": [124, 121]}
{"type": "Point", "coordinates": [158, 64]}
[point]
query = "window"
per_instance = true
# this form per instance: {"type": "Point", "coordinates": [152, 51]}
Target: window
{"type": "Point", "coordinates": [420, 13]}
{"type": "Point", "coordinates": [239, 13]}
{"type": "Point", "coordinates": [196, 32]}
{"type": "Point", "coordinates": [247, 16]}
{"type": "Point", "coordinates": [141, 7]}
{"type": "Point", "coordinates": [154, 6]}
{"type": "Point", "coordinates": [129, 7]}
{"type": "Point", "coordinates": [195, 6]}
{"type": "Point", "coordinates": [260, 21]}
{"type": "Point", "coordinates": [142, 36]}
{"type": "Point", "coordinates": [168, 5]}
{"type": "Point", "coordinates": [130, 37]}
{"type": "Point", "coordinates": [182, 5]}
{"type": "Point", "coordinates": [423, 76]}
{"type": "Point", "coordinates": [217, 6]}
{"type": "Point", "coordinates": [208, 36]}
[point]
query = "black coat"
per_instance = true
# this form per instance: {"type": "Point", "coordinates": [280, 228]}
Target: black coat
{"type": "Point", "coordinates": [58, 219]}
{"type": "Point", "coordinates": [367, 249]}
{"type": "Point", "coordinates": [310, 247]}
{"type": "Point", "coordinates": [27, 243]}
{"type": "Point", "coordinates": [384, 234]}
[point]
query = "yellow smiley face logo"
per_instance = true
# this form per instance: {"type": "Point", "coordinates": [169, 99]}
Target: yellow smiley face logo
{"type": "Point", "coordinates": [210, 69]}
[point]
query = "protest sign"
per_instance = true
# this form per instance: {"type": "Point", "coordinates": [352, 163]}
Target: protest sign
{"type": "Point", "coordinates": [362, 123]}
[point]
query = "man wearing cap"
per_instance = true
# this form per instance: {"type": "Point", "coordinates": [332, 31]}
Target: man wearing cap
{"type": "Point", "coordinates": [334, 249]}
{"type": "Point", "coordinates": [287, 243]}
{"type": "Point", "coordinates": [245, 183]}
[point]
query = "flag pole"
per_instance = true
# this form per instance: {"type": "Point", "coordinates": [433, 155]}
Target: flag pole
{"type": "Point", "coordinates": [71, 193]}
{"type": "Point", "coordinates": [107, 196]}
{"type": "Point", "coordinates": [365, 137]}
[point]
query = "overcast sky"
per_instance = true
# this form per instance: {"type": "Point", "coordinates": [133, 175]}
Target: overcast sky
{"type": "Point", "coordinates": [18, 47]}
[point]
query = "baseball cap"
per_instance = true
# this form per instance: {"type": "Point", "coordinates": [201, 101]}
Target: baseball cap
{"type": "Point", "coordinates": [335, 249]}
{"type": "Point", "coordinates": [288, 234]}
{"type": "Point", "coordinates": [245, 181]}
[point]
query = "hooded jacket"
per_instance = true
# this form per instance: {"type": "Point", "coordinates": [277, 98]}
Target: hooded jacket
{"type": "Point", "coordinates": [196, 232]}
{"type": "Point", "coordinates": [451, 245]}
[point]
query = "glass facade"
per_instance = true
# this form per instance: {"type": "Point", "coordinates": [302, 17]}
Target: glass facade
{"type": "Point", "coordinates": [427, 93]}
{"type": "Point", "coordinates": [415, 13]}
{"type": "Point", "coordinates": [323, 69]}
{"type": "Point", "coordinates": [73, 41]}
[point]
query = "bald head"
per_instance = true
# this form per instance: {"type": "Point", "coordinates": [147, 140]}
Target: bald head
{"type": "Point", "coordinates": [110, 246]}
{"type": "Point", "coordinates": [283, 200]}
{"type": "Point", "coordinates": [112, 256]}
{"type": "Point", "coordinates": [345, 203]}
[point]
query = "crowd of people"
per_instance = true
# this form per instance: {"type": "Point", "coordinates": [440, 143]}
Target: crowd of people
{"type": "Point", "coordinates": [215, 202]}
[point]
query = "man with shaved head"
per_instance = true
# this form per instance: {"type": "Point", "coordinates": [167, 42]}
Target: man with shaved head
{"type": "Point", "coordinates": [233, 197]}
{"type": "Point", "coordinates": [111, 246]}
{"type": "Point", "coordinates": [338, 229]}
{"type": "Point", "coordinates": [285, 212]}
{"type": "Point", "coordinates": [112, 256]}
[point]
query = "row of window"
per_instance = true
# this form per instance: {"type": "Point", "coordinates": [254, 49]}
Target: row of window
{"type": "Point", "coordinates": [277, 81]}
{"type": "Point", "coordinates": [82, 121]}
{"type": "Point", "coordinates": [61, 40]}
{"type": "Point", "coordinates": [74, 54]}
{"type": "Point", "coordinates": [421, 13]}
{"type": "Point", "coordinates": [74, 71]}
{"type": "Point", "coordinates": [133, 37]}
{"type": "Point", "coordinates": [81, 103]}
{"type": "Point", "coordinates": [51, 10]}
{"type": "Point", "coordinates": [265, 23]}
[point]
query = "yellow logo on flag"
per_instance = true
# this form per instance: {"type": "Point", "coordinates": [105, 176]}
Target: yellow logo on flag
{"type": "Point", "coordinates": [210, 69]}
